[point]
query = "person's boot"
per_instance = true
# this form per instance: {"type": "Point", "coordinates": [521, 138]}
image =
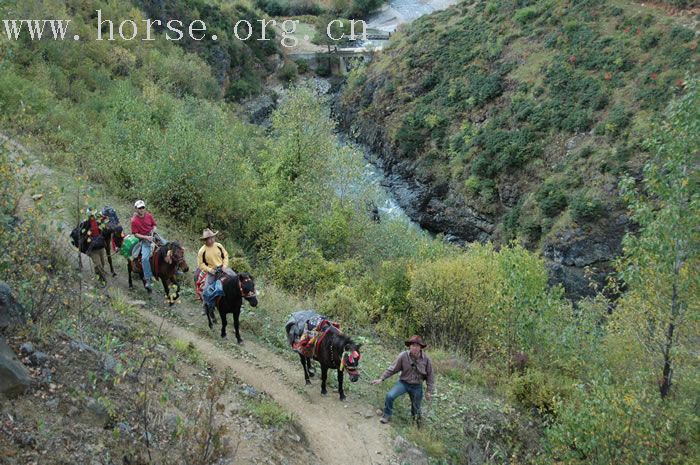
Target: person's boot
{"type": "Point", "coordinates": [385, 419]}
{"type": "Point", "coordinates": [148, 285]}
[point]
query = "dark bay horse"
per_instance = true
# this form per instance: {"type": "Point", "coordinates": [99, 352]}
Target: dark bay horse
{"type": "Point", "coordinates": [235, 289]}
{"type": "Point", "coordinates": [333, 350]}
{"type": "Point", "coordinates": [110, 232]}
{"type": "Point", "coordinates": [166, 261]}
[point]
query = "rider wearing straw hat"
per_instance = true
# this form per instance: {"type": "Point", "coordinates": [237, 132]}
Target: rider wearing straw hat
{"type": "Point", "coordinates": [212, 256]}
{"type": "Point", "coordinates": [415, 367]}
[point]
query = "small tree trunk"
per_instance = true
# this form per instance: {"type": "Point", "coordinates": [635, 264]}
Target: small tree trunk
{"type": "Point", "coordinates": [667, 374]}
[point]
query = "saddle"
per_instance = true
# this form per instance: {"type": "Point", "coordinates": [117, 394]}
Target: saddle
{"type": "Point", "coordinates": [315, 331]}
{"type": "Point", "coordinates": [155, 262]}
{"type": "Point", "coordinates": [215, 291]}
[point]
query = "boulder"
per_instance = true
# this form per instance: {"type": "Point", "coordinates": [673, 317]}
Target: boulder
{"type": "Point", "coordinates": [14, 378]}
{"type": "Point", "coordinates": [38, 359]}
{"type": "Point", "coordinates": [26, 349]}
{"type": "Point", "coordinates": [11, 312]}
{"type": "Point", "coordinates": [408, 453]}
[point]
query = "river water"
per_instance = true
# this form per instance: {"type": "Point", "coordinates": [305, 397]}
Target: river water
{"type": "Point", "coordinates": [387, 19]}
{"type": "Point", "coordinates": [397, 12]}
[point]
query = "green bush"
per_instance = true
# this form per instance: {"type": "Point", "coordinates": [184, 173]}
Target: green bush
{"type": "Point", "coordinates": [288, 72]}
{"type": "Point", "coordinates": [526, 15]}
{"type": "Point", "coordinates": [551, 198]}
{"type": "Point", "coordinates": [586, 208]}
{"type": "Point", "coordinates": [541, 390]}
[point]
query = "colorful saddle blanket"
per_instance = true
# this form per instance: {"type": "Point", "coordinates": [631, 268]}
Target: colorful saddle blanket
{"type": "Point", "coordinates": [313, 330]}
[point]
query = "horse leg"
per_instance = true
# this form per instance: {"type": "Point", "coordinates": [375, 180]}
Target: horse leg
{"type": "Point", "coordinates": [210, 314]}
{"type": "Point", "coordinates": [304, 362]}
{"type": "Point", "coordinates": [109, 258]}
{"type": "Point", "coordinates": [223, 323]}
{"type": "Point", "coordinates": [236, 324]}
{"type": "Point", "coordinates": [310, 364]}
{"type": "Point", "coordinates": [164, 280]}
{"type": "Point", "coordinates": [340, 384]}
{"type": "Point", "coordinates": [324, 377]}
{"type": "Point", "coordinates": [128, 272]}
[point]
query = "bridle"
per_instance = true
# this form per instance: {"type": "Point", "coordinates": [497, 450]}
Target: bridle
{"type": "Point", "coordinates": [353, 358]}
{"type": "Point", "coordinates": [250, 294]}
{"type": "Point", "coordinates": [174, 259]}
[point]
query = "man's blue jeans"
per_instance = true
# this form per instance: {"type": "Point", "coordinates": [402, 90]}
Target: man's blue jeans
{"type": "Point", "coordinates": [414, 391]}
{"type": "Point", "coordinates": [146, 249]}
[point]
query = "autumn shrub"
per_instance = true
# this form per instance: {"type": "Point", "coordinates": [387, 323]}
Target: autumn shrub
{"type": "Point", "coordinates": [450, 298]}
{"type": "Point", "coordinates": [605, 422]}
{"type": "Point", "coordinates": [346, 304]}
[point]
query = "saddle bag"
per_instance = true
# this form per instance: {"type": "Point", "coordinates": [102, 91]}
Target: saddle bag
{"type": "Point", "coordinates": [129, 242]}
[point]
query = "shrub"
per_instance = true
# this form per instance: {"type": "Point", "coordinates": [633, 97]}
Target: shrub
{"type": "Point", "coordinates": [450, 298]}
{"type": "Point", "coordinates": [540, 390]}
{"type": "Point", "coordinates": [288, 72]}
{"type": "Point", "coordinates": [345, 304]}
{"type": "Point", "coordinates": [585, 208]}
{"type": "Point", "coordinates": [618, 119]}
{"type": "Point", "coordinates": [525, 15]}
{"type": "Point", "coordinates": [551, 199]}
{"type": "Point", "coordinates": [608, 423]}
{"type": "Point", "coordinates": [302, 66]}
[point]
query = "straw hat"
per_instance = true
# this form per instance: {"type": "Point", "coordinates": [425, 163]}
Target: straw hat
{"type": "Point", "coordinates": [415, 340]}
{"type": "Point", "coordinates": [207, 233]}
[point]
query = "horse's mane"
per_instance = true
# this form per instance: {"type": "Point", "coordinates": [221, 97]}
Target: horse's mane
{"type": "Point", "coordinates": [231, 284]}
{"type": "Point", "coordinates": [163, 250]}
{"type": "Point", "coordinates": [341, 340]}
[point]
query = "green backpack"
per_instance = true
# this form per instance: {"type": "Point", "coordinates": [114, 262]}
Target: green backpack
{"type": "Point", "coordinates": [129, 242]}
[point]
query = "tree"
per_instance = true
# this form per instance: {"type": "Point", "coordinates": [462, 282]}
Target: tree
{"type": "Point", "coordinates": [661, 262]}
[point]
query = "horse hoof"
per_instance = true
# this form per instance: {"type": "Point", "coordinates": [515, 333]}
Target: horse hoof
{"type": "Point", "coordinates": [311, 374]}
{"type": "Point", "coordinates": [211, 326]}
{"type": "Point", "coordinates": [342, 398]}
{"type": "Point", "coordinates": [323, 393]}
{"type": "Point", "coordinates": [308, 383]}
{"type": "Point", "coordinates": [240, 342]}
{"type": "Point", "coordinates": [114, 275]}
{"type": "Point", "coordinates": [224, 337]}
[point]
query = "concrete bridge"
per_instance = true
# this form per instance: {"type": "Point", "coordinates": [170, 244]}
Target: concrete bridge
{"type": "Point", "coordinates": [342, 58]}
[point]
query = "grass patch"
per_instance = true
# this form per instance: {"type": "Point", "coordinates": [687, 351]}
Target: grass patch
{"type": "Point", "coordinates": [269, 412]}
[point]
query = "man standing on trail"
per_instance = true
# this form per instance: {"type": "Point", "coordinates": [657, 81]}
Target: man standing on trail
{"type": "Point", "coordinates": [143, 226]}
{"type": "Point", "coordinates": [415, 367]}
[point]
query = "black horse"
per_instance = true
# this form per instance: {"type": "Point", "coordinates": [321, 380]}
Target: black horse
{"type": "Point", "coordinates": [110, 232]}
{"type": "Point", "coordinates": [335, 350]}
{"type": "Point", "coordinates": [235, 289]}
{"type": "Point", "coordinates": [166, 261]}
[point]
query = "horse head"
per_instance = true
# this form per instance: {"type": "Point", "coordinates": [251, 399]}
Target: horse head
{"type": "Point", "coordinates": [246, 286]}
{"type": "Point", "coordinates": [118, 235]}
{"type": "Point", "coordinates": [350, 360]}
{"type": "Point", "coordinates": [176, 255]}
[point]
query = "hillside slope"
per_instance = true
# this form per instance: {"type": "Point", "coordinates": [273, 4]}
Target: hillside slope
{"type": "Point", "coordinates": [507, 120]}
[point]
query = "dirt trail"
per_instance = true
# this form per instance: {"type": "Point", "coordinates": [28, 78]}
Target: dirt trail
{"type": "Point", "coordinates": [338, 433]}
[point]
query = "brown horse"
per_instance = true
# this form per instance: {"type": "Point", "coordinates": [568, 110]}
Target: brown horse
{"type": "Point", "coordinates": [166, 262]}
